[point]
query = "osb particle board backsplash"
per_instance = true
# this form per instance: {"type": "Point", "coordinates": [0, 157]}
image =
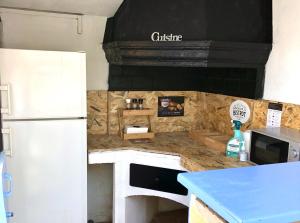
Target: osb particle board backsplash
{"type": "Point", "coordinates": [97, 112]}
{"type": "Point", "coordinates": [103, 105]}
{"type": "Point", "coordinates": [215, 110]}
{"type": "Point", "coordinates": [202, 111]}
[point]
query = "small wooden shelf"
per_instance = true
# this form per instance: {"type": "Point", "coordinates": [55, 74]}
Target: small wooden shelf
{"type": "Point", "coordinates": [123, 113]}
{"type": "Point", "coordinates": [148, 135]}
{"type": "Point", "coordinates": [136, 112]}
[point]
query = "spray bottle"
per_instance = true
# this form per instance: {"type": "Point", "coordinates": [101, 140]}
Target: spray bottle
{"type": "Point", "coordinates": [236, 143]}
{"type": "Point", "coordinates": [240, 114]}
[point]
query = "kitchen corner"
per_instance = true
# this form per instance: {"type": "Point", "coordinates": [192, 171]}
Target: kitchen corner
{"type": "Point", "coordinates": [154, 161]}
{"type": "Point", "coordinates": [194, 142]}
{"type": "Point", "coordinates": [138, 111]}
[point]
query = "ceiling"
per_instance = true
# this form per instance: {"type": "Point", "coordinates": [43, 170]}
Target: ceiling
{"type": "Point", "coordinates": [87, 7]}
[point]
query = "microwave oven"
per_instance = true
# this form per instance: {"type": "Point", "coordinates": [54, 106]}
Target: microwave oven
{"type": "Point", "coordinates": [274, 145]}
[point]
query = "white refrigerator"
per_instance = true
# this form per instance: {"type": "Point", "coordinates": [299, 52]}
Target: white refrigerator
{"type": "Point", "coordinates": [43, 109]}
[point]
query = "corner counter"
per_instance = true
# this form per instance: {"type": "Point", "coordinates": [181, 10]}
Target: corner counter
{"type": "Point", "coordinates": [194, 156]}
{"type": "Point", "coordinates": [162, 158]}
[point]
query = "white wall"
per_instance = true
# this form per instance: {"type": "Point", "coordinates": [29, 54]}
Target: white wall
{"type": "Point", "coordinates": [283, 68]}
{"type": "Point", "coordinates": [52, 31]}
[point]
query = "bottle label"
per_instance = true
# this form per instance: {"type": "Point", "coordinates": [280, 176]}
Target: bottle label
{"type": "Point", "coordinates": [233, 148]}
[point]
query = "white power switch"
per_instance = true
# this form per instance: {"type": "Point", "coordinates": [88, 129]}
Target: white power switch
{"type": "Point", "coordinates": [274, 115]}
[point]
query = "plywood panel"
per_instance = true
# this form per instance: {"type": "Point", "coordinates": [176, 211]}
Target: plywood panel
{"type": "Point", "coordinates": [97, 112]}
{"type": "Point", "coordinates": [202, 111]}
{"type": "Point", "coordinates": [214, 113]}
{"type": "Point", "coordinates": [159, 124]}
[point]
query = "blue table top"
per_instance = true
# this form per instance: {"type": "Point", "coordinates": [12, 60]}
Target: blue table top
{"type": "Point", "coordinates": [264, 194]}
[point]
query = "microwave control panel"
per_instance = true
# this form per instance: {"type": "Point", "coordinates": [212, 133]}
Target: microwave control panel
{"type": "Point", "coordinates": [294, 152]}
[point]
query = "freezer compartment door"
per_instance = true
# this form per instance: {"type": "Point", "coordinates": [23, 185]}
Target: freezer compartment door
{"type": "Point", "coordinates": [48, 163]}
{"type": "Point", "coordinates": [42, 84]}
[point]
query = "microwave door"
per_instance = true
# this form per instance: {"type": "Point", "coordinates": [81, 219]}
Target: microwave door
{"type": "Point", "coordinates": [268, 150]}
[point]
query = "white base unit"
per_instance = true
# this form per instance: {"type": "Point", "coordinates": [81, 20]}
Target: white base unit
{"type": "Point", "coordinates": [123, 190]}
{"type": "Point", "coordinates": [47, 160]}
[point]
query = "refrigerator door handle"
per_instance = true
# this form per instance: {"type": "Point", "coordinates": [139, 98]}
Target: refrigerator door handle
{"type": "Point", "coordinates": [6, 88]}
{"type": "Point", "coordinates": [7, 177]}
{"type": "Point", "coordinates": [7, 151]}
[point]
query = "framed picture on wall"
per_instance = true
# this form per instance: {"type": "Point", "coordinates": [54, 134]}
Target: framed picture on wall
{"type": "Point", "coordinates": [169, 106]}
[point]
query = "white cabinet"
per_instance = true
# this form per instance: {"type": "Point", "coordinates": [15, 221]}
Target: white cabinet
{"type": "Point", "coordinates": [123, 210]}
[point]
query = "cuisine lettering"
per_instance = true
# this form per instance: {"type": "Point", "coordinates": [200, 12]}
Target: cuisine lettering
{"type": "Point", "coordinates": [157, 37]}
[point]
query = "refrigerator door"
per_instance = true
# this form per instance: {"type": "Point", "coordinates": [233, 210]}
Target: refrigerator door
{"type": "Point", "coordinates": [48, 162]}
{"type": "Point", "coordinates": [42, 84]}
{"type": "Point", "coordinates": [2, 207]}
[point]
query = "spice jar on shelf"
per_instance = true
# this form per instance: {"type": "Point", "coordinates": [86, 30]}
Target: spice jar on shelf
{"type": "Point", "coordinates": [140, 103]}
{"type": "Point", "coordinates": [128, 103]}
{"type": "Point", "coordinates": [134, 103]}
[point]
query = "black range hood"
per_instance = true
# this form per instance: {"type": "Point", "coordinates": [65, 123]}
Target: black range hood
{"type": "Point", "coordinates": [152, 43]}
{"type": "Point", "coordinates": [187, 53]}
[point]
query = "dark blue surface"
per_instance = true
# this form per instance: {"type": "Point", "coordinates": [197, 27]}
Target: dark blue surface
{"type": "Point", "coordinates": [264, 194]}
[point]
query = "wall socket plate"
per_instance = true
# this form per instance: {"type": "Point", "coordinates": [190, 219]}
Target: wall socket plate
{"type": "Point", "coordinates": [274, 115]}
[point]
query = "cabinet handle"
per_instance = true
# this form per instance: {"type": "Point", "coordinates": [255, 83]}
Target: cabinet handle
{"type": "Point", "coordinates": [9, 150]}
{"type": "Point", "coordinates": [6, 88]}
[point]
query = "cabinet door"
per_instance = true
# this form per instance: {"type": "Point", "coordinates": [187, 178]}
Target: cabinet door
{"type": "Point", "coordinates": [48, 164]}
{"type": "Point", "coordinates": [157, 178]}
{"type": "Point", "coordinates": [42, 84]}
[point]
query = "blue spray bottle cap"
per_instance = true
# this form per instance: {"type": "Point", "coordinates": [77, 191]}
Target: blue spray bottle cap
{"type": "Point", "coordinates": [236, 124]}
